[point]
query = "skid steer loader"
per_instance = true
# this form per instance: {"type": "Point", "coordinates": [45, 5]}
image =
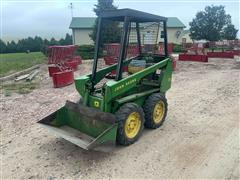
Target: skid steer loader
{"type": "Point", "coordinates": [120, 108]}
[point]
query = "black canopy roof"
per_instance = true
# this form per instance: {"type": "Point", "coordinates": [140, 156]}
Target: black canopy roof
{"type": "Point", "coordinates": [134, 15]}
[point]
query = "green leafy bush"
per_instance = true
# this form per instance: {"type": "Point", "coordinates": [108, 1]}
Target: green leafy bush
{"type": "Point", "coordinates": [177, 48]}
{"type": "Point", "coordinates": [86, 48]}
{"type": "Point", "coordinates": [86, 51]}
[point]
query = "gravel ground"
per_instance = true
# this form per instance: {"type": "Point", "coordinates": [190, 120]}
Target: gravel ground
{"type": "Point", "coordinates": [199, 139]}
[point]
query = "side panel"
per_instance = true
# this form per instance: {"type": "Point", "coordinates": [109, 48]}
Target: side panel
{"type": "Point", "coordinates": [166, 77]}
{"type": "Point", "coordinates": [80, 84]}
{"type": "Point", "coordinates": [116, 88]}
{"type": "Point", "coordinates": [138, 98]}
{"type": "Point", "coordinates": [95, 102]}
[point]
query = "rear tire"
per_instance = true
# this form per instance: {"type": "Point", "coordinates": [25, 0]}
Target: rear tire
{"type": "Point", "coordinates": [155, 109]}
{"type": "Point", "coordinates": [131, 120]}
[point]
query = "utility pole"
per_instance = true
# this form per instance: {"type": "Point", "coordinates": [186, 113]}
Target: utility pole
{"type": "Point", "coordinates": [71, 8]}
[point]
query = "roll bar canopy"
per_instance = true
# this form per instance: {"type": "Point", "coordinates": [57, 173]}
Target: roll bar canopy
{"type": "Point", "coordinates": [134, 15]}
{"type": "Point", "coordinates": [126, 16]}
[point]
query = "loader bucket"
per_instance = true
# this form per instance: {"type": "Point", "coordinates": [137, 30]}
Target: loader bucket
{"type": "Point", "coordinates": [84, 126]}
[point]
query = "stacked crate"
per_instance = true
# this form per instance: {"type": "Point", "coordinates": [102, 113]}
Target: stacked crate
{"type": "Point", "coordinates": [62, 63]}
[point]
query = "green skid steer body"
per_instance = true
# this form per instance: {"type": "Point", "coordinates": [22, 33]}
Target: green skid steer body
{"type": "Point", "coordinates": [93, 121]}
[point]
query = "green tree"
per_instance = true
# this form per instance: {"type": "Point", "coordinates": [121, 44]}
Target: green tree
{"type": "Point", "coordinates": [68, 39]}
{"type": "Point", "coordinates": [11, 47]}
{"type": "Point", "coordinates": [46, 42]}
{"type": "Point", "coordinates": [62, 41]}
{"type": "Point", "coordinates": [3, 46]}
{"type": "Point", "coordinates": [229, 32]}
{"type": "Point", "coordinates": [44, 46]}
{"type": "Point", "coordinates": [208, 24]}
{"type": "Point", "coordinates": [110, 30]}
{"type": "Point", "coordinates": [21, 46]}
{"type": "Point", "coordinates": [28, 44]}
{"type": "Point", "coordinates": [38, 42]}
{"type": "Point", "coordinates": [53, 42]}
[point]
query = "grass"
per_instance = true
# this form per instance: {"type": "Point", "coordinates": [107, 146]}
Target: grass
{"type": "Point", "coordinates": [20, 87]}
{"type": "Point", "coordinates": [13, 62]}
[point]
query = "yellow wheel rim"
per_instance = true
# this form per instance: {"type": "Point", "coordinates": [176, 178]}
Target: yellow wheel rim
{"type": "Point", "coordinates": [158, 112]}
{"type": "Point", "coordinates": [132, 125]}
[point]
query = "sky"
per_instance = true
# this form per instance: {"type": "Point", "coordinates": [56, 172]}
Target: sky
{"type": "Point", "coordinates": [51, 18]}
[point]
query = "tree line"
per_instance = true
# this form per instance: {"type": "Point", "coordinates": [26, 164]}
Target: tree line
{"type": "Point", "coordinates": [212, 24]}
{"type": "Point", "coordinates": [30, 44]}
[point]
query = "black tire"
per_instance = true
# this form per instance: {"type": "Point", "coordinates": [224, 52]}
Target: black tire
{"type": "Point", "coordinates": [149, 108]}
{"type": "Point", "coordinates": [122, 115]}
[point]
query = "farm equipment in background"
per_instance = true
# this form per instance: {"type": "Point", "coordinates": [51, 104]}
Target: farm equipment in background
{"type": "Point", "coordinates": [62, 62]}
{"type": "Point", "coordinates": [118, 109]}
{"type": "Point", "coordinates": [194, 53]}
{"type": "Point", "coordinates": [214, 49]}
{"type": "Point", "coordinates": [170, 48]}
{"type": "Point", "coordinates": [170, 52]}
{"type": "Point", "coordinates": [224, 49]}
{"type": "Point", "coordinates": [111, 52]}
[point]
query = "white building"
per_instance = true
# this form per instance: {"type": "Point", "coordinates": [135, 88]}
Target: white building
{"type": "Point", "coordinates": [82, 27]}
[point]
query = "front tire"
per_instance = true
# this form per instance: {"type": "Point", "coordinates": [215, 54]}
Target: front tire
{"type": "Point", "coordinates": [155, 109]}
{"type": "Point", "coordinates": [131, 120]}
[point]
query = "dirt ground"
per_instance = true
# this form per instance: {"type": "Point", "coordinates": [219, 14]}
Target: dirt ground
{"type": "Point", "coordinates": [199, 139]}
